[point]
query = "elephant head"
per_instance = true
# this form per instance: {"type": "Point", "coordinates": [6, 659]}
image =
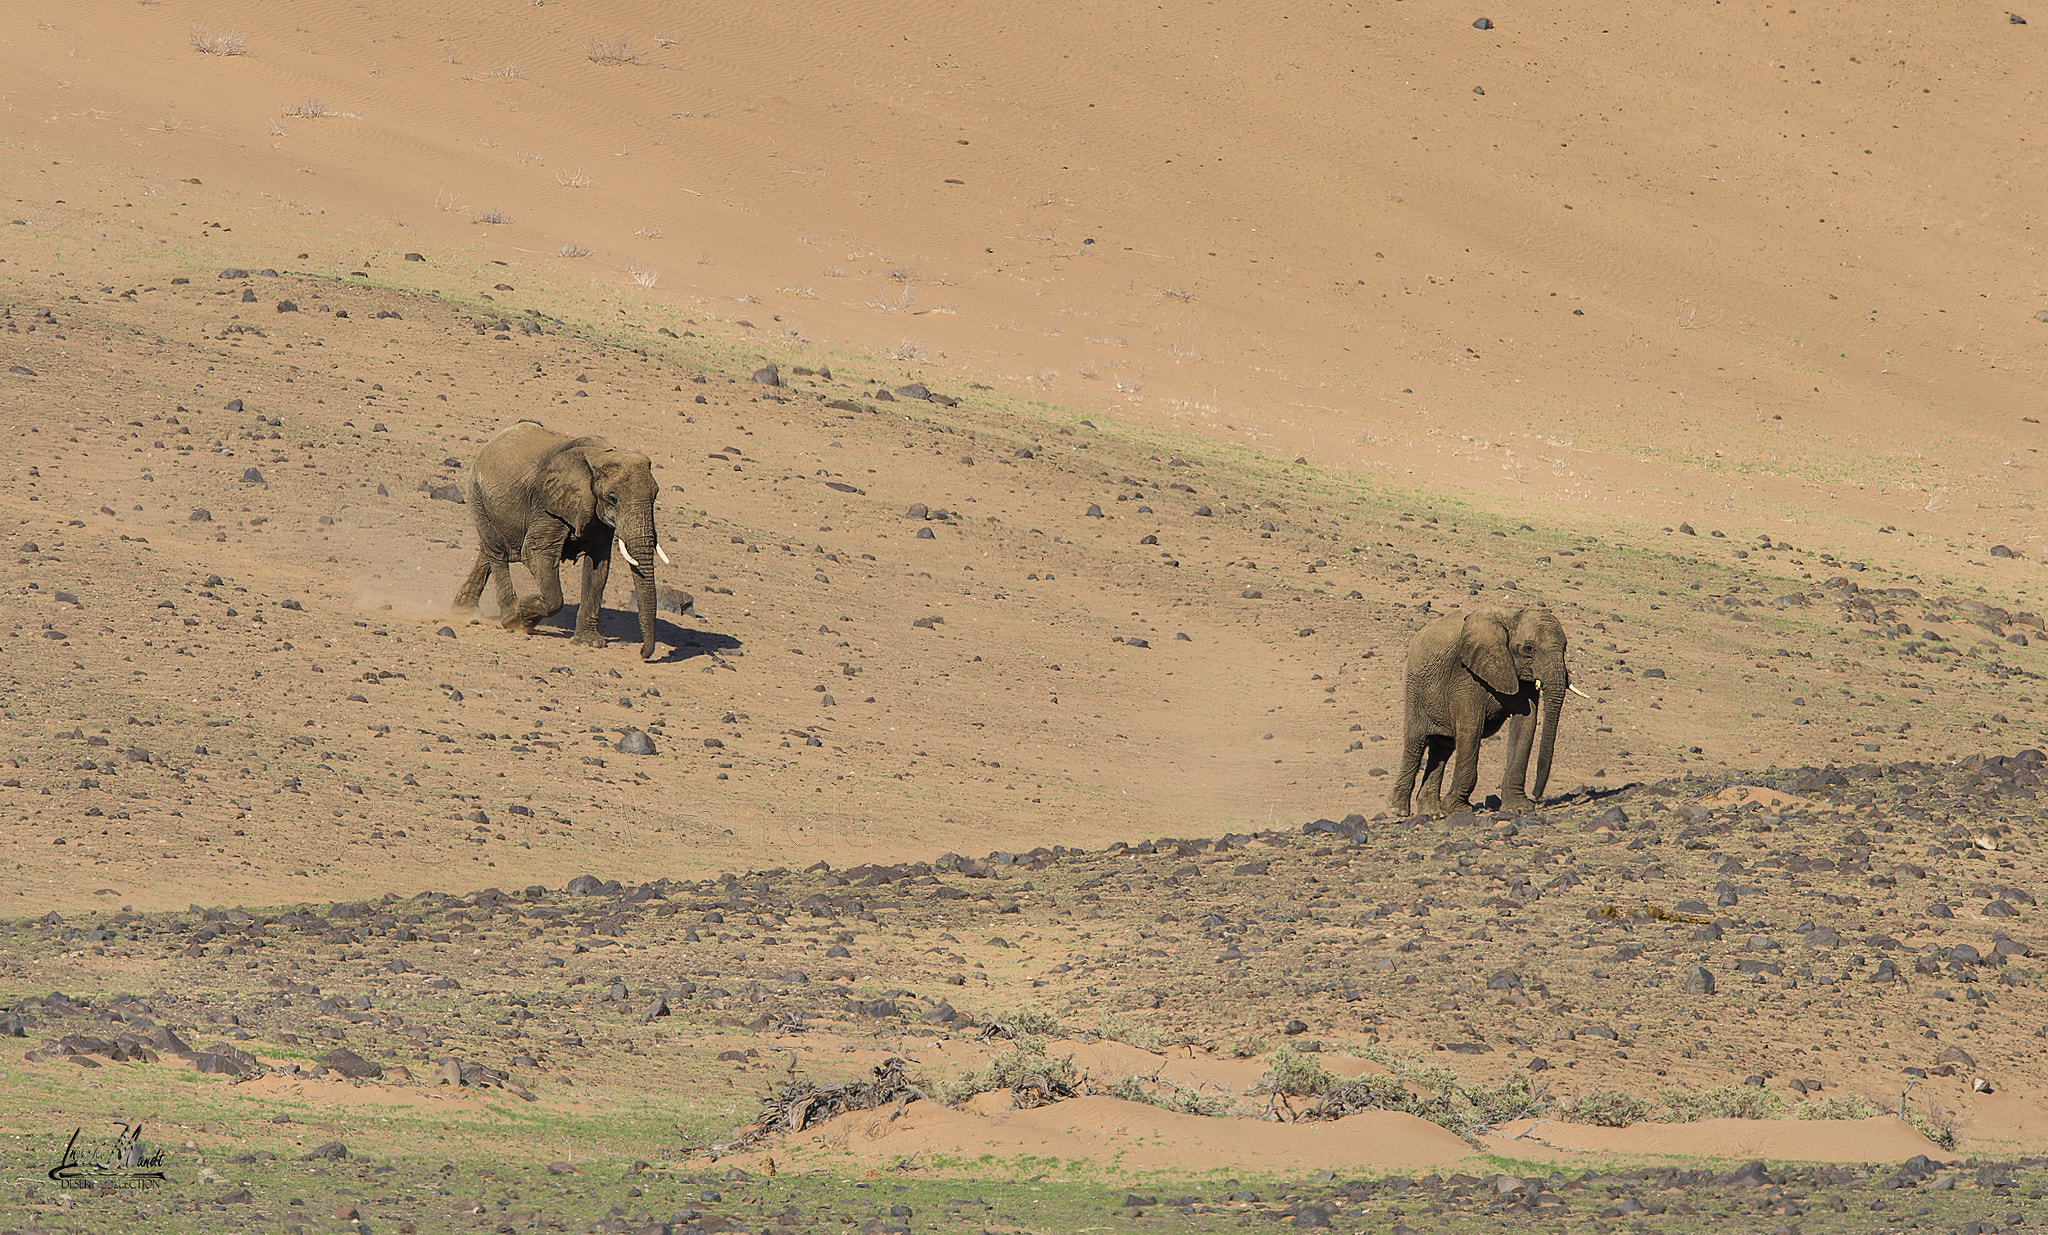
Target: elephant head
{"type": "Point", "coordinates": [615, 488]}
{"type": "Point", "coordinates": [1506, 649]}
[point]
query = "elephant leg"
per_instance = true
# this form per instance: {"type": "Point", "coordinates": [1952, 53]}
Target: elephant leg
{"type": "Point", "coordinates": [596, 571]}
{"type": "Point", "coordinates": [1464, 773]}
{"type": "Point", "coordinates": [547, 571]}
{"type": "Point", "coordinates": [473, 587]}
{"type": "Point", "coordinates": [508, 595]}
{"type": "Point", "coordinates": [1436, 754]}
{"type": "Point", "coordinates": [1413, 744]}
{"type": "Point", "coordinates": [1521, 735]}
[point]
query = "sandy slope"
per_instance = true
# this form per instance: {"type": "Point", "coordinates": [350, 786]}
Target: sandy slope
{"type": "Point", "coordinates": [1773, 264]}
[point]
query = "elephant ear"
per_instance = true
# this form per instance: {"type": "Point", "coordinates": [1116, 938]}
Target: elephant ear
{"type": "Point", "coordinates": [565, 486]}
{"type": "Point", "coordinates": [1483, 650]}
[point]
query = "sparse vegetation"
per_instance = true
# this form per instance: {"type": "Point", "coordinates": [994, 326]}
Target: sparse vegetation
{"type": "Point", "coordinates": [307, 109]}
{"type": "Point", "coordinates": [910, 349]}
{"type": "Point", "coordinates": [645, 276]}
{"type": "Point", "coordinates": [1935, 1122]}
{"type": "Point", "coordinates": [1169, 1096]}
{"type": "Point", "coordinates": [573, 180]}
{"type": "Point", "coordinates": [1605, 1108]}
{"type": "Point", "coordinates": [493, 215]}
{"type": "Point", "coordinates": [1722, 1102]}
{"type": "Point", "coordinates": [1023, 1023]}
{"type": "Point", "coordinates": [1836, 1106]}
{"type": "Point", "coordinates": [612, 51]}
{"type": "Point", "coordinates": [1245, 1046]}
{"type": "Point", "coordinates": [1292, 1074]}
{"type": "Point", "coordinates": [219, 42]}
{"type": "Point", "coordinates": [572, 249]}
{"type": "Point", "coordinates": [1032, 1077]}
{"type": "Point", "coordinates": [1133, 1033]}
{"type": "Point", "coordinates": [900, 303]}
{"type": "Point", "coordinates": [1465, 1110]}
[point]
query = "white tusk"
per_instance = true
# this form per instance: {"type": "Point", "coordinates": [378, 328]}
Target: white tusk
{"type": "Point", "coordinates": [623, 553]}
{"type": "Point", "coordinates": [1539, 683]}
{"type": "Point", "coordinates": [1575, 690]}
{"type": "Point", "coordinates": [662, 554]}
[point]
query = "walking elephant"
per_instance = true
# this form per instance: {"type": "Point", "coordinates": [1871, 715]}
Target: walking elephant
{"type": "Point", "coordinates": [541, 498]}
{"type": "Point", "coordinates": [1467, 674]}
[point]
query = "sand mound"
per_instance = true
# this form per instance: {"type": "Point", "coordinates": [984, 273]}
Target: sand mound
{"type": "Point", "coordinates": [1137, 1136]}
{"type": "Point", "coordinates": [1879, 1139]}
{"type": "Point", "coordinates": [1107, 1059]}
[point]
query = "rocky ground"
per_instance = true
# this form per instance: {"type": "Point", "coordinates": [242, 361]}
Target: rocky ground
{"type": "Point", "coordinates": [1813, 938]}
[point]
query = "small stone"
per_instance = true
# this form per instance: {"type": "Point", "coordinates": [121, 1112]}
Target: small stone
{"type": "Point", "coordinates": [1093, 512]}
{"type": "Point", "coordinates": [1698, 980]}
{"type": "Point", "coordinates": [1484, 23]}
{"type": "Point", "coordinates": [1294, 1027]}
{"type": "Point", "coordinates": [634, 742]}
{"type": "Point", "coordinates": [286, 306]}
{"type": "Point", "coordinates": [251, 476]}
{"type": "Point", "coordinates": [199, 515]}
{"type": "Point", "coordinates": [332, 1151]}
{"type": "Point", "coordinates": [768, 375]}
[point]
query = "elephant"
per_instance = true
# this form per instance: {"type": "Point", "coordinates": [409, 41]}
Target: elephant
{"type": "Point", "coordinates": [541, 498]}
{"type": "Point", "coordinates": [1466, 675]}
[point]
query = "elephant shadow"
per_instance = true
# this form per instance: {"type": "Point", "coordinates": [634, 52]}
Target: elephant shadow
{"type": "Point", "coordinates": [623, 626]}
{"type": "Point", "coordinates": [1584, 796]}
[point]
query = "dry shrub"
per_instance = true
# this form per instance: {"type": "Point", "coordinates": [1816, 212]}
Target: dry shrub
{"type": "Point", "coordinates": [219, 42]}
{"type": "Point", "coordinates": [1605, 1108]}
{"type": "Point", "coordinates": [1725, 1102]}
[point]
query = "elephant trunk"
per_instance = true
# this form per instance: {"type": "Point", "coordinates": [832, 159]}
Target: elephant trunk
{"type": "Point", "coordinates": [1551, 701]}
{"type": "Point", "coordinates": [636, 537]}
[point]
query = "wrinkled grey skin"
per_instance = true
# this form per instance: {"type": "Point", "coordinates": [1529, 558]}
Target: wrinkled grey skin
{"type": "Point", "coordinates": [542, 499]}
{"type": "Point", "coordinates": [1468, 674]}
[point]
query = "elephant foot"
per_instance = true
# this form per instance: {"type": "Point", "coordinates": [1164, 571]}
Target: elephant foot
{"type": "Point", "coordinates": [1516, 802]}
{"type": "Point", "coordinates": [588, 639]}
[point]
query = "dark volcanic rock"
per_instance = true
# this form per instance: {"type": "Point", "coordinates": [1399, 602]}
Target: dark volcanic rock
{"type": "Point", "coordinates": [352, 1065]}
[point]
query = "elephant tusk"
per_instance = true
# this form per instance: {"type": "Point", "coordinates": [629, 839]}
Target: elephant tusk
{"type": "Point", "coordinates": [623, 552]}
{"type": "Point", "coordinates": [662, 554]}
{"type": "Point", "coordinates": [1575, 690]}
